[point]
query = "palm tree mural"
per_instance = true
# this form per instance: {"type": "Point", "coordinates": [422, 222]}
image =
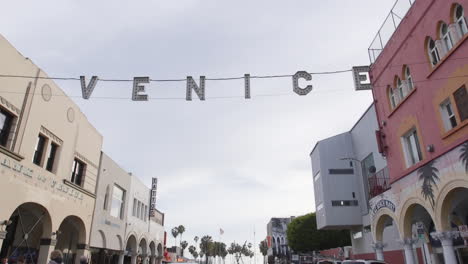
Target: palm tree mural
{"type": "Point", "coordinates": [464, 155]}
{"type": "Point", "coordinates": [429, 174]}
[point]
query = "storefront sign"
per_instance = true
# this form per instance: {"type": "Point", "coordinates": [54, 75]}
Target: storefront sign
{"type": "Point", "coordinates": [383, 204]}
{"type": "Point", "coordinates": [19, 168]}
{"type": "Point", "coordinates": [154, 187]}
{"type": "Point", "coordinates": [361, 78]}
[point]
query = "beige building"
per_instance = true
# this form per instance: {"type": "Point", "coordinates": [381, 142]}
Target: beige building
{"type": "Point", "coordinates": [49, 158]}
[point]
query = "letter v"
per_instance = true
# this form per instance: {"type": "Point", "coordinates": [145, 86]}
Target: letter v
{"type": "Point", "coordinates": [86, 91]}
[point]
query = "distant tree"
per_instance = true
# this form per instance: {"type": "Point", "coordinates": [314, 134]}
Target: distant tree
{"type": "Point", "coordinates": [205, 245]}
{"type": "Point", "coordinates": [303, 235]}
{"type": "Point", "coordinates": [238, 251]}
{"type": "Point", "coordinates": [175, 233]}
{"type": "Point", "coordinates": [183, 246]}
{"type": "Point", "coordinates": [195, 239]}
{"type": "Point", "coordinates": [181, 230]}
{"type": "Point", "coordinates": [263, 248]}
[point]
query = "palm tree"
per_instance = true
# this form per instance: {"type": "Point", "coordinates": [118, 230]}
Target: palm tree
{"type": "Point", "coordinates": [183, 245]}
{"type": "Point", "coordinates": [181, 230]}
{"type": "Point", "coordinates": [175, 233]}
{"type": "Point", "coordinates": [428, 174]}
{"type": "Point", "coordinates": [263, 248]}
{"type": "Point", "coordinates": [205, 245]}
{"type": "Point", "coordinates": [464, 155]}
{"type": "Point", "coordinates": [195, 239]}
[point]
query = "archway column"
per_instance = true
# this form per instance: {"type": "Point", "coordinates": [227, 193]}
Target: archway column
{"type": "Point", "coordinates": [409, 253]}
{"type": "Point", "coordinates": [378, 247]}
{"type": "Point", "coordinates": [134, 258]}
{"type": "Point", "coordinates": [81, 250]}
{"type": "Point", "coordinates": [121, 258]}
{"type": "Point", "coordinates": [446, 239]}
{"type": "Point", "coordinates": [46, 247]}
{"type": "Point", "coordinates": [2, 237]}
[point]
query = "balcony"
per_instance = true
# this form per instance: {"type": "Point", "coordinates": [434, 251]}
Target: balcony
{"type": "Point", "coordinates": [389, 26]}
{"type": "Point", "coordinates": [379, 182]}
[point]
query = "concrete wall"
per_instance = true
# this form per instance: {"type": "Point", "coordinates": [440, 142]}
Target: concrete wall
{"type": "Point", "coordinates": [335, 186]}
{"type": "Point", "coordinates": [109, 231]}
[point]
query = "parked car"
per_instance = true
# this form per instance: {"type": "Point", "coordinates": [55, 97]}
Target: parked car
{"type": "Point", "coordinates": [362, 261]}
{"type": "Point", "coordinates": [329, 261]}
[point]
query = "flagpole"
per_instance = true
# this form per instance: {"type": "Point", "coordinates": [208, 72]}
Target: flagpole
{"type": "Point", "coordinates": [255, 246]}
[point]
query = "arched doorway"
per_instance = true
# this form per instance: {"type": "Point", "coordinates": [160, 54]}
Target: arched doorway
{"type": "Point", "coordinates": [152, 257]}
{"type": "Point", "coordinates": [160, 254]}
{"type": "Point", "coordinates": [30, 226]}
{"type": "Point", "coordinates": [385, 233]}
{"type": "Point", "coordinates": [71, 239]}
{"type": "Point", "coordinates": [454, 217]}
{"type": "Point", "coordinates": [143, 251]}
{"type": "Point", "coordinates": [273, 246]}
{"type": "Point", "coordinates": [417, 225]}
{"type": "Point", "coordinates": [130, 250]}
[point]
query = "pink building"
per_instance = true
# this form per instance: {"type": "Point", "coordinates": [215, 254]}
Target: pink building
{"type": "Point", "coordinates": [419, 80]}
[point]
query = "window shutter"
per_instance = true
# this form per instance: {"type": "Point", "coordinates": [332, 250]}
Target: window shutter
{"type": "Point", "coordinates": [461, 99]}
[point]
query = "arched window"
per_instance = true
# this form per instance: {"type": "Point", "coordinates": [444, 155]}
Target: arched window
{"type": "Point", "coordinates": [433, 52]}
{"type": "Point", "coordinates": [445, 36]}
{"type": "Point", "coordinates": [460, 19]}
{"type": "Point", "coordinates": [409, 79]}
{"type": "Point", "coordinates": [391, 96]}
{"type": "Point", "coordinates": [401, 89]}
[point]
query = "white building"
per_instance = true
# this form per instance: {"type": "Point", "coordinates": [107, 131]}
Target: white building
{"type": "Point", "coordinates": [348, 171]}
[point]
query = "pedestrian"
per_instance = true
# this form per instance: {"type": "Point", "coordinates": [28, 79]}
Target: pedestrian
{"type": "Point", "coordinates": [56, 257]}
{"type": "Point", "coordinates": [4, 261]}
{"type": "Point", "coordinates": [83, 260]}
{"type": "Point", "coordinates": [20, 260]}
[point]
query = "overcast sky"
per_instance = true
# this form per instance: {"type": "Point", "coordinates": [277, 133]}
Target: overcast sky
{"type": "Point", "coordinates": [224, 163]}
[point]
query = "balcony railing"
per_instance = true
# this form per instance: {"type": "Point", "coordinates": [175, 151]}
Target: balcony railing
{"type": "Point", "coordinates": [379, 182]}
{"type": "Point", "coordinates": [389, 26]}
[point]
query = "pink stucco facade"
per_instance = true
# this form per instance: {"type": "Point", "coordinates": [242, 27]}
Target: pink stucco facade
{"type": "Point", "coordinates": [420, 109]}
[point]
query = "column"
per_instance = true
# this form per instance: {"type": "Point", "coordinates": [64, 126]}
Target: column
{"type": "Point", "coordinates": [134, 258]}
{"type": "Point", "coordinates": [378, 247]}
{"type": "Point", "coordinates": [47, 245]}
{"type": "Point", "coordinates": [121, 258]}
{"type": "Point", "coordinates": [409, 253]}
{"type": "Point", "coordinates": [446, 239]}
{"type": "Point", "coordinates": [2, 236]}
{"type": "Point", "coordinates": [81, 250]}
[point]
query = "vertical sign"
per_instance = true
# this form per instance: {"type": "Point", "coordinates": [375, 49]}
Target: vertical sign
{"type": "Point", "coordinates": [154, 187]}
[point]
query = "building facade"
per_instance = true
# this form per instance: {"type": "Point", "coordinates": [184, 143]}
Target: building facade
{"type": "Point", "coordinates": [419, 85]}
{"type": "Point", "coordinates": [348, 171]}
{"type": "Point", "coordinates": [123, 228]}
{"type": "Point", "coordinates": [59, 191]}
{"type": "Point", "coordinates": [110, 213]}
{"type": "Point", "coordinates": [277, 239]}
{"type": "Point", "coordinates": [49, 158]}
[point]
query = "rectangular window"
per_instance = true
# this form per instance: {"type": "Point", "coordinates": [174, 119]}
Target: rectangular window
{"type": "Point", "coordinates": [412, 148]}
{"type": "Point", "coordinates": [139, 210]}
{"type": "Point", "coordinates": [146, 213]}
{"type": "Point", "coordinates": [134, 207]}
{"type": "Point", "coordinates": [6, 119]}
{"type": "Point", "coordinates": [317, 176]}
{"type": "Point", "coordinates": [78, 171]}
{"type": "Point", "coordinates": [51, 157]}
{"type": "Point", "coordinates": [117, 202]}
{"type": "Point", "coordinates": [39, 150]}
{"type": "Point", "coordinates": [448, 116]}
{"type": "Point", "coordinates": [345, 203]}
{"type": "Point", "coordinates": [461, 100]}
{"type": "Point", "coordinates": [319, 207]}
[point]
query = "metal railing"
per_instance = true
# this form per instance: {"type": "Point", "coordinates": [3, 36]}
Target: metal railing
{"type": "Point", "coordinates": [389, 26]}
{"type": "Point", "coordinates": [379, 182]}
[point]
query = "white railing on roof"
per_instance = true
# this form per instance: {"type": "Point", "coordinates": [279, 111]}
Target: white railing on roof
{"type": "Point", "coordinates": [389, 26]}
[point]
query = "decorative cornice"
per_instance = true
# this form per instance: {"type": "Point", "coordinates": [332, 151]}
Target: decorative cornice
{"type": "Point", "coordinates": [10, 106]}
{"type": "Point", "coordinates": [71, 184]}
{"type": "Point", "coordinates": [446, 236]}
{"type": "Point", "coordinates": [51, 135]}
{"type": "Point", "coordinates": [379, 246]}
{"type": "Point", "coordinates": [10, 154]}
{"type": "Point", "coordinates": [88, 162]}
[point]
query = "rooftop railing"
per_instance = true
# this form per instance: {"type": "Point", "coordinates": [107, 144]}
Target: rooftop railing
{"type": "Point", "coordinates": [389, 26]}
{"type": "Point", "coordinates": [379, 182]}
